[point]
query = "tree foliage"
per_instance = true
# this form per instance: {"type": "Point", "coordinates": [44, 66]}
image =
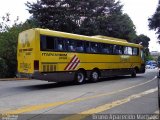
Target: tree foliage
{"type": "Point", "coordinates": [143, 39]}
{"type": "Point", "coordinates": [8, 44]}
{"type": "Point", "coordinates": [149, 57]}
{"type": "Point", "coordinates": [154, 21]}
{"type": "Point", "coordinates": [91, 17]}
{"type": "Point", "coordinates": [3, 67]}
{"type": "Point", "coordinates": [120, 26]}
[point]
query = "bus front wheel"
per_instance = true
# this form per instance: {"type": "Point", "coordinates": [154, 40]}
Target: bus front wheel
{"type": "Point", "coordinates": [133, 74]}
{"type": "Point", "coordinates": [80, 77]}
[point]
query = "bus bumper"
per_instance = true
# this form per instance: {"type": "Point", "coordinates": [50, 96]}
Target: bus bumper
{"type": "Point", "coordinates": [51, 77]}
{"type": "Point", "coordinates": [142, 69]}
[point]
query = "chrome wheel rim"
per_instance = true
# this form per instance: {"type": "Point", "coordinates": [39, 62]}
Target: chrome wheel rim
{"type": "Point", "coordinates": [80, 77]}
{"type": "Point", "coordinates": [95, 75]}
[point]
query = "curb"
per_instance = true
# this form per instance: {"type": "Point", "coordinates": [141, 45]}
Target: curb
{"type": "Point", "coordinates": [13, 79]}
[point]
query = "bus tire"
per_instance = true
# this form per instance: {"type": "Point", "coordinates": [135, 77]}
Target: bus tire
{"type": "Point", "coordinates": [133, 74]}
{"type": "Point", "coordinates": [95, 76]}
{"type": "Point", "coordinates": [80, 77]}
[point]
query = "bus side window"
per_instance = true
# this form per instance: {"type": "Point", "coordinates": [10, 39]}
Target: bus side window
{"type": "Point", "coordinates": [115, 49]}
{"type": "Point", "coordinates": [43, 42]}
{"type": "Point", "coordinates": [70, 45]}
{"type": "Point", "coordinates": [104, 48]}
{"type": "Point", "coordinates": [129, 50]}
{"type": "Point", "coordinates": [135, 51]}
{"type": "Point", "coordinates": [110, 48]}
{"type": "Point", "coordinates": [120, 50]}
{"type": "Point", "coordinates": [50, 43]}
{"type": "Point", "coordinates": [94, 47]}
{"type": "Point", "coordinates": [47, 43]}
{"type": "Point", "coordinates": [79, 46]}
{"type": "Point", "coordinates": [87, 46]}
{"type": "Point", "coordinates": [125, 50]}
{"type": "Point", "coordinates": [59, 44]}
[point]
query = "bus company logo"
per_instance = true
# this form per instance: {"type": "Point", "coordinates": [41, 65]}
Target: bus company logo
{"type": "Point", "coordinates": [74, 62]}
{"type": "Point", "coordinates": [25, 41]}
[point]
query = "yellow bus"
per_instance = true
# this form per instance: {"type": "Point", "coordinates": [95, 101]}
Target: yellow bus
{"type": "Point", "coordinates": [59, 56]}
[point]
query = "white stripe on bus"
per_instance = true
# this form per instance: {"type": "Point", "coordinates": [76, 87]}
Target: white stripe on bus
{"type": "Point", "coordinates": [75, 64]}
{"type": "Point", "coordinates": [71, 63]}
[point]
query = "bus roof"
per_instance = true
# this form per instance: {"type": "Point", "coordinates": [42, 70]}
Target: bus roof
{"type": "Point", "coordinates": [109, 38]}
{"type": "Point", "coordinates": [97, 38]}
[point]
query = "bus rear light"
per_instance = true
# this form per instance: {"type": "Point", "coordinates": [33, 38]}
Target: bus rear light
{"type": "Point", "coordinates": [36, 65]}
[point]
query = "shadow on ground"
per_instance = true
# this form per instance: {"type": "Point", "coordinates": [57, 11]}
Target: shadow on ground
{"type": "Point", "coordinates": [51, 85]}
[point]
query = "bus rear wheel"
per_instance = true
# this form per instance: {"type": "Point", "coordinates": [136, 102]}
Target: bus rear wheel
{"type": "Point", "coordinates": [133, 74]}
{"type": "Point", "coordinates": [80, 77]}
{"type": "Point", "coordinates": [95, 76]}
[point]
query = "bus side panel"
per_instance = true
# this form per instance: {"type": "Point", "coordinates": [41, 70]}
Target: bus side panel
{"type": "Point", "coordinates": [62, 61]}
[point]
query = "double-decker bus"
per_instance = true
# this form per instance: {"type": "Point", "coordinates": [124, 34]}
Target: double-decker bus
{"type": "Point", "coordinates": [58, 56]}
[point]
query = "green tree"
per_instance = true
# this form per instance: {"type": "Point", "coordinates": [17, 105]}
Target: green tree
{"type": "Point", "coordinates": [149, 57]}
{"type": "Point", "coordinates": [144, 41]}
{"type": "Point", "coordinates": [3, 67]}
{"type": "Point", "coordinates": [120, 26]}
{"type": "Point", "coordinates": [154, 21]}
{"type": "Point", "coordinates": [91, 17]}
{"type": "Point", "coordinates": [8, 44]}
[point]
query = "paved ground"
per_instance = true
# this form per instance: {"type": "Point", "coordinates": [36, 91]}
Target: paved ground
{"type": "Point", "coordinates": [35, 99]}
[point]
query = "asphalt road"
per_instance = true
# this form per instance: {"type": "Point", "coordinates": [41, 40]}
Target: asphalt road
{"type": "Point", "coordinates": [34, 99]}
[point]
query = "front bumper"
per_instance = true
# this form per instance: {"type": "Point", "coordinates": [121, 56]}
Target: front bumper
{"type": "Point", "coordinates": [142, 69]}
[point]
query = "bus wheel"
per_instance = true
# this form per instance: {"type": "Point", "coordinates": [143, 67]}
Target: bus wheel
{"type": "Point", "coordinates": [80, 77]}
{"type": "Point", "coordinates": [95, 76]}
{"type": "Point", "coordinates": [133, 74]}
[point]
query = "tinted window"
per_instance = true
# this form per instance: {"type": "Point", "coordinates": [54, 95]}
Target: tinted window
{"type": "Point", "coordinates": [47, 43]}
{"type": "Point", "coordinates": [60, 44]}
{"type": "Point", "coordinates": [118, 50]}
{"type": "Point", "coordinates": [63, 44]}
{"type": "Point", "coordinates": [110, 48]}
{"type": "Point", "coordinates": [70, 45]}
{"type": "Point", "coordinates": [79, 46]}
{"type": "Point", "coordinates": [135, 51]}
{"type": "Point", "coordinates": [87, 46]}
{"type": "Point", "coordinates": [105, 48]}
{"type": "Point", "coordinates": [94, 47]}
{"type": "Point", "coordinates": [43, 42]}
